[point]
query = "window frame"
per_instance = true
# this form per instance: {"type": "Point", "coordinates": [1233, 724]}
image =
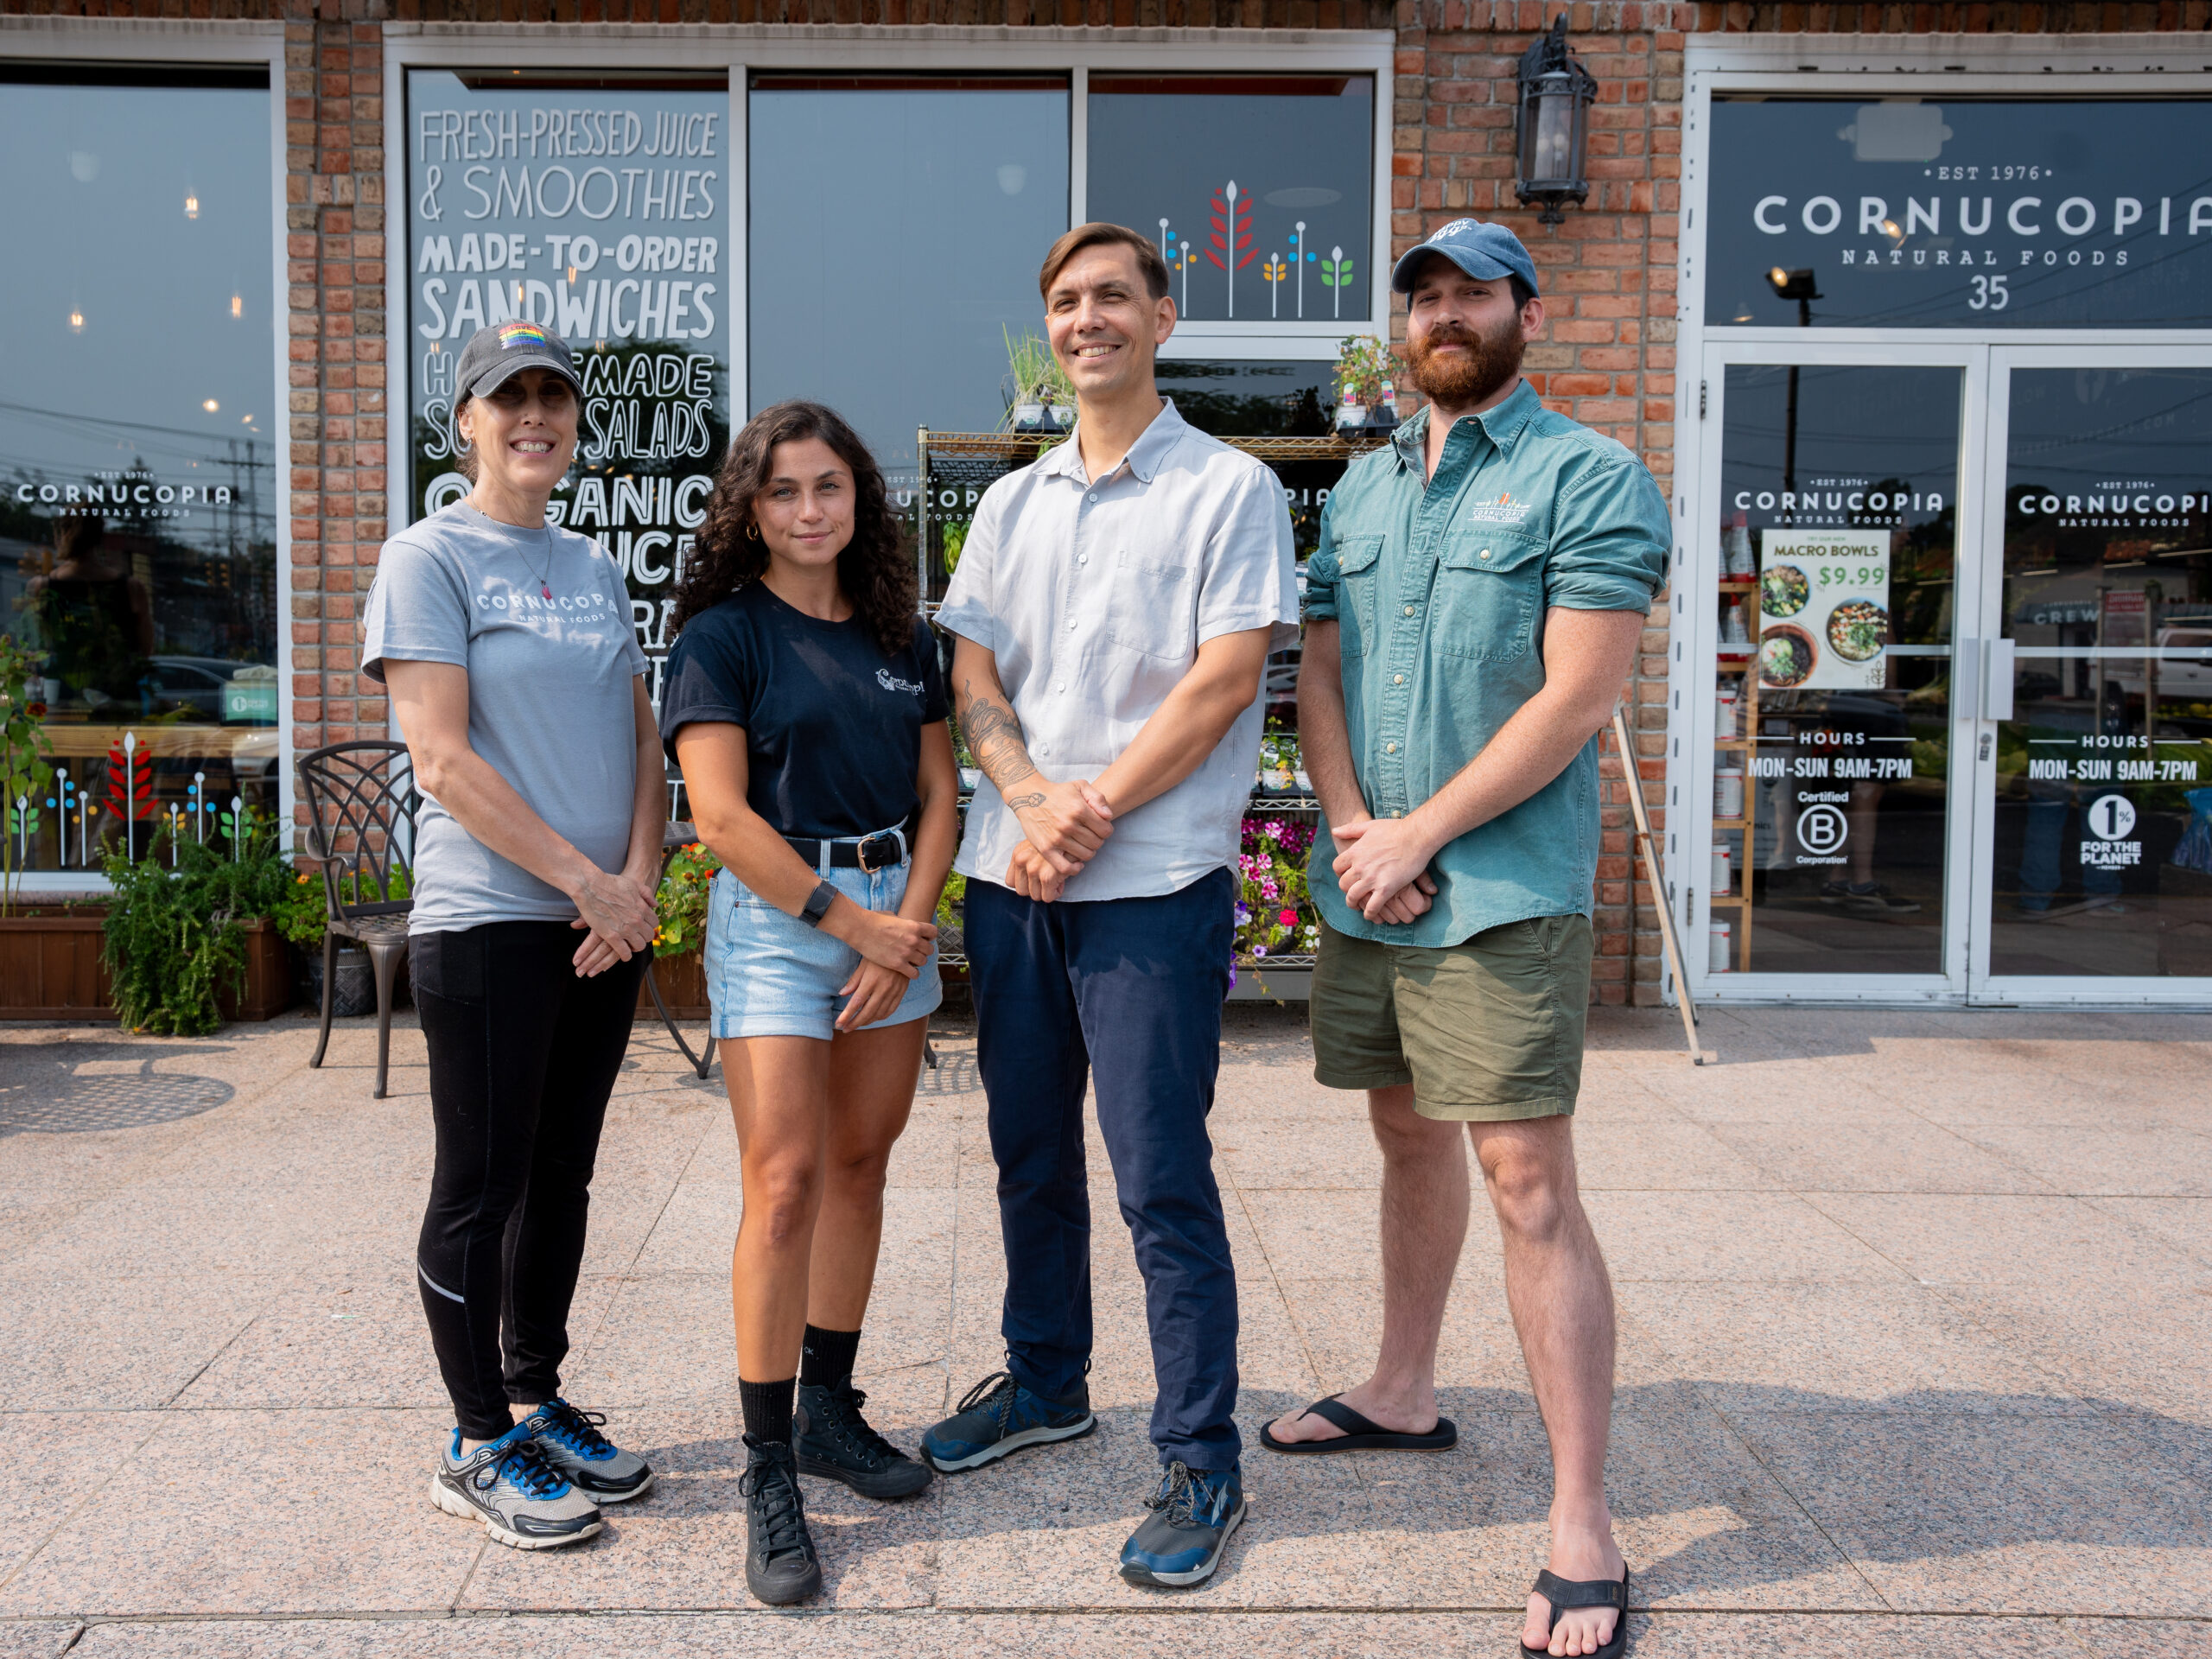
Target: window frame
{"type": "Point", "coordinates": [93, 41]}
{"type": "Point", "coordinates": [740, 49]}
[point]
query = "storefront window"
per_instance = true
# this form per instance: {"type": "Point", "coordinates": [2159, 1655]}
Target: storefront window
{"type": "Point", "coordinates": [1967, 213]}
{"type": "Point", "coordinates": [1260, 187]}
{"type": "Point", "coordinates": [138, 444]}
{"type": "Point", "coordinates": [1839, 499]}
{"type": "Point", "coordinates": [896, 228]}
{"type": "Point", "coordinates": [2103, 853]}
{"type": "Point", "coordinates": [597, 206]}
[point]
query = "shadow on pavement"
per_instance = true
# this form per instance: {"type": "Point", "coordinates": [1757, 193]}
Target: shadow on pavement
{"type": "Point", "coordinates": [44, 1091]}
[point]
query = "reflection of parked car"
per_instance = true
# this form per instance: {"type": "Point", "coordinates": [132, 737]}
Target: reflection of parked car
{"type": "Point", "coordinates": [214, 688]}
{"type": "Point", "coordinates": [2178, 676]}
{"type": "Point", "coordinates": [193, 683]}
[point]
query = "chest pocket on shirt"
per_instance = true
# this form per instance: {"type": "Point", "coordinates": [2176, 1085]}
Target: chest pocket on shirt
{"type": "Point", "coordinates": [1149, 607]}
{"type": "Point", "coordinates": [1357, 579]}
{"type": "Point", "coordinates": [1489, 585]}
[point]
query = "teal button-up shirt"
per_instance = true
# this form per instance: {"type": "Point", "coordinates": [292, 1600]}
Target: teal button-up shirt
{"type": "Point", "coordinates": [1438, 591]}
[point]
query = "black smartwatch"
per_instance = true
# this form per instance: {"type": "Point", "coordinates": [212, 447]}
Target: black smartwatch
{"type": "Point", "coordinates": [817, 904]}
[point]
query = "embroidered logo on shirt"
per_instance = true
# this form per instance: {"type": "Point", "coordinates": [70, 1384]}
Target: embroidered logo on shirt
{"type": "Point", "coordinates": [1503, 511]}
{"type": "Point", "coordinates": [884, 678]}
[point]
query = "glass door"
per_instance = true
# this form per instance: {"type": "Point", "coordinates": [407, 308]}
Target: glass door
{"type": "Point", "coordinates": [1832, 613]}
{"type": "Point", "coordinates": [2095, 744]}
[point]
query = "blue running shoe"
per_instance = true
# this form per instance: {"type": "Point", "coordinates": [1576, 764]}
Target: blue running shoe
{"type": "Point", "coordinates": [569, 1439]}
{"type": "Point", "coordinates": [1181, 1541]}
{"type": "Point", "coordinates": [508, 1485]}
{"type": "Point", "coordinates": [999, 1415]}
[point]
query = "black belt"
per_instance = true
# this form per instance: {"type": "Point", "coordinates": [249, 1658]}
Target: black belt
{"type": "Point", "coordinates": [871, 853]}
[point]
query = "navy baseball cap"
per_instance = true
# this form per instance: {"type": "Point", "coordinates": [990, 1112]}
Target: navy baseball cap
{"type": "Point", "coordinates": [1483, 252]}
{"type": "Point", "coordinates": [495, 355]}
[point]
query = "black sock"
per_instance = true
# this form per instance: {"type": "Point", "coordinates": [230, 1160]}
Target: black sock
{"type": "Point", "coordinates": [768, 1408]}
{"type": "Point", "coordinates": [826, 1361]}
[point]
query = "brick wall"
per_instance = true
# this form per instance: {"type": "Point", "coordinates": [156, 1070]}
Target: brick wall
{"type": "Point", "coordinates": [1606, 357]}
{"type": "Point", "coordinates": [335, 253]}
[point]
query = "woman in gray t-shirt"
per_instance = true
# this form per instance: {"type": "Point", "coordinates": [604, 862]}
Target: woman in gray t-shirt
{"type": "Point", "coordinates": [508, 649]}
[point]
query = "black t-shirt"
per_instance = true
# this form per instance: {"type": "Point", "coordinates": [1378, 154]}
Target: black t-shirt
{"type": "Point", "coordinates": [832, 725]}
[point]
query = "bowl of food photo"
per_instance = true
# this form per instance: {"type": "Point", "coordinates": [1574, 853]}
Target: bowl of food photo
{"type": "Point", "coordinates": [1783, 590]}
{"type": "Point", "coordinates": [1786, 657]}
{"type": "Point", "coordinates": [1858, 630]}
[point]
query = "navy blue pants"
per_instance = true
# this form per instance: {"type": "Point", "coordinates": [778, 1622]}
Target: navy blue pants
{"type": "Point", "coordinates": [1133, 987]}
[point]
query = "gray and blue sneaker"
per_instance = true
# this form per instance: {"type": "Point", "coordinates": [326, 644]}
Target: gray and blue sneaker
{"type": "Point", "coordinates": [998, 1415]}
{"type": "Point", "coordinates": [569, 1439]}
{"type": "Point", "coordinates": [1181, 1541]}
{"type": "Point", "coordinates": [506, 1484]}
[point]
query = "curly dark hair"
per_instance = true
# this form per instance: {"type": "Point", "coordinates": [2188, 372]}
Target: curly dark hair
{"type": "Point", "coordinates": [873, 571]}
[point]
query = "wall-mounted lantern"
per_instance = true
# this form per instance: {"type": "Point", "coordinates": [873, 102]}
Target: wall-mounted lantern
{"type": "Point", "coordinates": [1554, 130]}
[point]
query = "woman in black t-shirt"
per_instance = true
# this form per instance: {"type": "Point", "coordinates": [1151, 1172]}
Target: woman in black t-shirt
{"type": "Point", "coordinates": [804, 703]}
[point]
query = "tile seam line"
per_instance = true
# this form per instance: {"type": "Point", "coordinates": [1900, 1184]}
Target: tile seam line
{"type": "Point", "coordinates": [161, 1421]}
{"type": "Point", "coordinates": [752, 1610]}
{"type": "Point", "coordinates": [1736, 1433]}
{"type": "Point", "coordinates": [1283, 1296]}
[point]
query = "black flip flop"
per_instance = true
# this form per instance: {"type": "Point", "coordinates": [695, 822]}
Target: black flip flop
{"type": "Point", "coordinates": [1563, 1593]}
{"type": "Point", "coordinates": [1362, 1433]}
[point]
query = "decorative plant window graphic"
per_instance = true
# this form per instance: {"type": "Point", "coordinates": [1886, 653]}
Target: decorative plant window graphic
{"type": "Point", "coordinates": [596, 207]}
{"type": "Point", "coordinates": [138, 480]}
{"type": "Point", "coordinates": [1255, 185]}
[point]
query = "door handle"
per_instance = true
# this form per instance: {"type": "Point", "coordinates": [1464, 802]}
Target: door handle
{"type": "Point", "coordinates": [1997, 687]}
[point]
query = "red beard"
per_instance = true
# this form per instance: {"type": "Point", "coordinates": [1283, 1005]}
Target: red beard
{"type": "Point", "coordinates": [1457, 379]}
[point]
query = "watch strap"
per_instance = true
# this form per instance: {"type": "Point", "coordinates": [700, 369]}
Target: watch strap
{"type": "Point", "coordinates": [817, 904]}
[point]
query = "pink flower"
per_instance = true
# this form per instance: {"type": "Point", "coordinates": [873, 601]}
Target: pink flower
{"type": "Point", "coordinates": [1289, 918]}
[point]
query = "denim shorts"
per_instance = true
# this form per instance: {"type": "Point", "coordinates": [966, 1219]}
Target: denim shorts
{"type": "Point", "coordinates": [771, 975]}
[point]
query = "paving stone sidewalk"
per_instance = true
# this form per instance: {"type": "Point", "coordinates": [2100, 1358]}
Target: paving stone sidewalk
{"type": "Point", "coordinates": [1915, 1313]}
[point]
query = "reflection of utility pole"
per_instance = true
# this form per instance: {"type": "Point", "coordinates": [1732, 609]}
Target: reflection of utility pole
{"type": "Point", "coordinates": [1796, 285]}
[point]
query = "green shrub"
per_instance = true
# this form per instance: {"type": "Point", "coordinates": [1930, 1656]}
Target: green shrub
{"type": "Point", "coordinates": [174, 937]}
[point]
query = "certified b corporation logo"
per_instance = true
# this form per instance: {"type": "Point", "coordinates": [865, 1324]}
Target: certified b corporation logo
{"type": "Point", "coordinates": [1822, 829]}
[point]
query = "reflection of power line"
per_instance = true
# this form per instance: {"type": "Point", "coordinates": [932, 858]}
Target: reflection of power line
{"type": "Point", "coordinates": [106, 430]}
{"type": "Point", "coordinates": [2044, 446]}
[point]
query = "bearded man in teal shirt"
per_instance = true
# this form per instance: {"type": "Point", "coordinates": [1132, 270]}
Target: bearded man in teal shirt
{"type": "Point", "coordinates": [1471, 612]}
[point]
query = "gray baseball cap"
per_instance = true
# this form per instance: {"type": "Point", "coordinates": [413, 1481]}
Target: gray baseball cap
{"type": "Point", "coordinates": [1485, 252]}
{"type": "Point", "coordinates": [495, 355]}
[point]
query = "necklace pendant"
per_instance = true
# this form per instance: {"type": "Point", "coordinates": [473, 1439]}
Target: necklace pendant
{"type": "Point", "coordinates": [545, 590]}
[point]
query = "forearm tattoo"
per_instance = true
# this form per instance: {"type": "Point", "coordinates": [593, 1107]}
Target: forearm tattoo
{"type": "Point", "coordinates": [993, 737]}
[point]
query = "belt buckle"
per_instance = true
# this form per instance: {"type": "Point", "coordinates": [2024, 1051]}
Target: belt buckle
{"type": "Point", "coordinates": [890, 845]}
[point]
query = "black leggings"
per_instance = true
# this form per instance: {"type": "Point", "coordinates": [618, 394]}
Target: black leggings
{"type": "Point", "coordinates": [523, 1057]}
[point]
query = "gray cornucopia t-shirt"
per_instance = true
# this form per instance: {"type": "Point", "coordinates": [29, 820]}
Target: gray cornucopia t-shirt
{"type": "Point", "coordinates": [550, 707]}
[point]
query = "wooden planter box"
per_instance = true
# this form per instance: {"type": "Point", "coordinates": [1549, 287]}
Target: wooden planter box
{"type": "Point", "coordinates": [682, 981]}
{"type": "Point", "coordinates": [50, 967]}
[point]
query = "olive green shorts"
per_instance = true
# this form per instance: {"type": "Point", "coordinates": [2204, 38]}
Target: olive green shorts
{"type": "Point", "coordinates": [1488, 1030]}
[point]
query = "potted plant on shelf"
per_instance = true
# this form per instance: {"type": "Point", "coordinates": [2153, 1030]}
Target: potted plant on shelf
{"type": "Point", "coordinates": [1281, 769]}
{"type": "Point", "coordinates": [1039, 395]}
{"type": "Point", "coordinates": [1366, 396]}
{"type": "Point", "coordinates": [1274, 915]}
{"type": "Point", "coordinates": [301, 916]}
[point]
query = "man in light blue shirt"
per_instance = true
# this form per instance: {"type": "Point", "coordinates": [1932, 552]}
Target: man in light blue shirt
{"type": "Point", "coordinates": [1471, 612]}
{"type": "Point", "coordinates": [1114, 608]}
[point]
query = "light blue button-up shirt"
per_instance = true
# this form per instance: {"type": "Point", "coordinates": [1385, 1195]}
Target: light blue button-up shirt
{"type": "Point", "coordinates": [1438, 590]}
{"type": "Point", "coordinates": [1094, 596]}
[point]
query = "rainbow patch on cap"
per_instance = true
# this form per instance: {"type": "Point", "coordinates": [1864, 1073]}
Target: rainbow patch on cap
{"type": "Point", "coordinates": [521, 334]}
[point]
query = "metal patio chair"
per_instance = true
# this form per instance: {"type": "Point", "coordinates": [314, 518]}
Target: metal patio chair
{"type": "Point", "coordinates": [362, 801]}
